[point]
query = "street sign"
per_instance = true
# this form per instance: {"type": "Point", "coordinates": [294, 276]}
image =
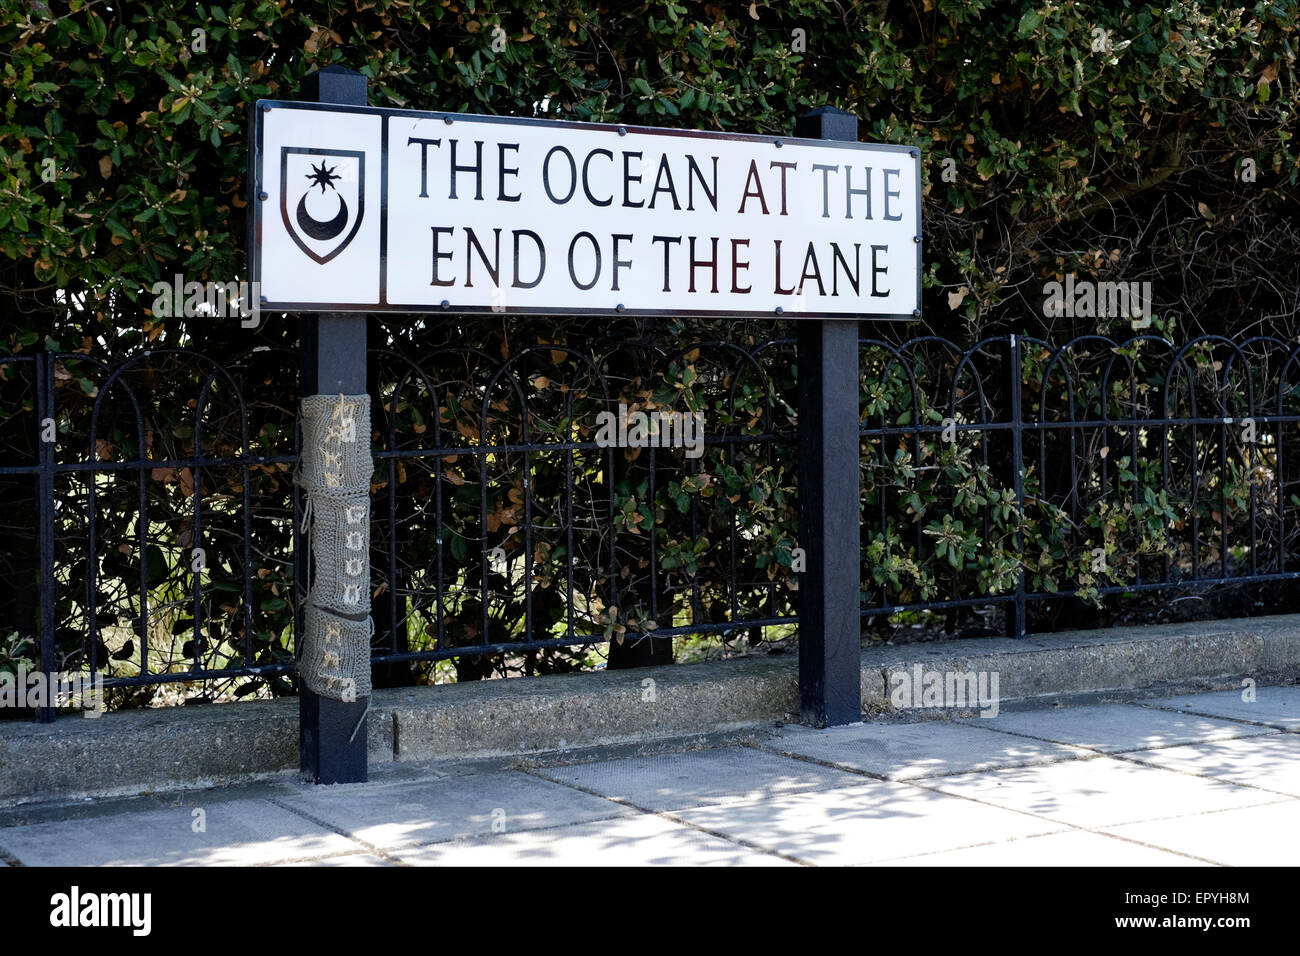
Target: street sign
{"type": "Point", "coordinates": [373, 210]}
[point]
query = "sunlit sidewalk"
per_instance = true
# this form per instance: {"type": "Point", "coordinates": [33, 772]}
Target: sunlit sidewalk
{"type": "Point", "coordinates": [1204, 779]}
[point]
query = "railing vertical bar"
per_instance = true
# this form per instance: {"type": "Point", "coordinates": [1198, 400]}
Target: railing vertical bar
{"type": "Point", "coordinates": [1018, 470]}
{"type": "Point", "coordinates": [196, 577]}
{"type": "Point", "coordinates": [482, 517]}
{"type": "Point", "coordinates": [528, 547]}
{"type": "Point", "coordinates": [1196, 519]}
{"type": "Point", "coordinates": [568, 512]}
{"type": "Point", "coordinates": [439, 530]}
{"type": "Point", "coordinates": [142, 534]}
{"type": "Point", "coordinates": [1223, 500]}
{"type": "Point", "coordinates": [45, 516]}
{"type": "Point", "coordinates": [394, 621]}
{"type": "Point", "coordinates": [246, 474]}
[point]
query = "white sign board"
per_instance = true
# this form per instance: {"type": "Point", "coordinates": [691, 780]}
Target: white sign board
{"type": "Point", "coordinates": [360, 209]}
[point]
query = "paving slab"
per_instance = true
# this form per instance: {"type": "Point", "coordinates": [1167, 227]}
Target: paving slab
{"type": "Point", "coordinates": [1277, 707]}
{"type": "Point", "coordinates": [701, 778]}
{"type": "Point", "coordinates": [874, 822]}
{"type": "Point", "coordinates": [236, 833]}
{"type": "Point", "coordinates": [1071, 848]}
{"type": "Point", "coordinates": [410, 814]}
{"type": "Point", "coordinates": [913, 751]}
{"type": "Point", "coordinates": [1271, 763]}
{"type": "Point", "coordinates": [1116, 728]}
{"type": "Point", "coordinates": [347, 859]}
{"type": "Point", "coordinates": [1251, 836]}
{"type": "Point", "coordinates": [1101, 792]}
{"type": "Point", "coordinates": [641, 840]}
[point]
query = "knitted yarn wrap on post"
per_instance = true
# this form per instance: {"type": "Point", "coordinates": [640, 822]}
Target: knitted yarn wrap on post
{"type": "Point", "coordinates": [334, 472]}
{"type": "Point", "coordinates": [335, 660]}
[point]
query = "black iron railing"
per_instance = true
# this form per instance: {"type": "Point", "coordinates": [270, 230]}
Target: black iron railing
{"type": "Point", "coordinates": [507, 526]}
{"type": "Point", "coordinates": [1130, 467]}
{"type": "Point", "coordinates": [151, 532]}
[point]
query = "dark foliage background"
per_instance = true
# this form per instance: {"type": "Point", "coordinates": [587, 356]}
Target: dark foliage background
{"type": "Point", "coordinates": [1117, 142]}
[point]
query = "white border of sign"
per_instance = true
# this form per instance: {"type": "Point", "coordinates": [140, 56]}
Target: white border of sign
{"type": "Point", "coordinates": [270, 206]}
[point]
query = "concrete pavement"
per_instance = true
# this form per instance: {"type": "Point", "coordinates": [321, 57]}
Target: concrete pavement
{"type": "Point", "coordinates": [1191, 780]}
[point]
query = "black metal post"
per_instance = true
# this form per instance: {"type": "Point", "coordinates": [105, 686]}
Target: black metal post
{"type": "Point", "coordinates": [332, 733]}
{"type": "Point", "coordinates": [829, 614]}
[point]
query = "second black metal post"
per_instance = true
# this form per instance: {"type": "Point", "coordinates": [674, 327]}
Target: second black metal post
{"type": "Point", "coordinates": [829, 520]}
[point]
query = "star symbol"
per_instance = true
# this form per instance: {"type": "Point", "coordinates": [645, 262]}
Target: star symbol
{"type": "Point", "coordinates": [320, 176]}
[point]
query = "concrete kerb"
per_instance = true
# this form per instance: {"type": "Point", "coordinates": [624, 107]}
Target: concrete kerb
{"type": "Point", "coordinates": [561, 717]}
{"type": "Point", "coordinates": [1212, 655]}
{"type": "Point", "coordinates": [174, 748]}
{"type": "Point", "coordinates": [529, 716]}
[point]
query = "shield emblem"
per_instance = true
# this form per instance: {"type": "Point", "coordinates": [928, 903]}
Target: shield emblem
{"type": "Point", "coordinates": [322, 198]}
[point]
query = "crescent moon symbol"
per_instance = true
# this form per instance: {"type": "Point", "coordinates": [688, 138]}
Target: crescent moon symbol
{"type": "Point", "coordinates": [317, 229]}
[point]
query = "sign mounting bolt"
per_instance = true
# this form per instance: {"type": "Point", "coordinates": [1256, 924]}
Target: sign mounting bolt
{"type": "Point", "coordinates": [779, 144]}
{"type": "Point", "coordinates": [916, 312]}
{"type": "Point", "coordinates": [263, 196]}
{"type": "Point", "coordinates": [622, 131]}
{"type": "Point", "coordinates": [448, 120]}
{"type": "Point", "coordinates": [779, 310]}
{"type": "Point", "coordinates": [619, 307]}
{"type": "Point", "coordinates": [446, 304]}
{"type": "Point", "coordinates": [916, 238]}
